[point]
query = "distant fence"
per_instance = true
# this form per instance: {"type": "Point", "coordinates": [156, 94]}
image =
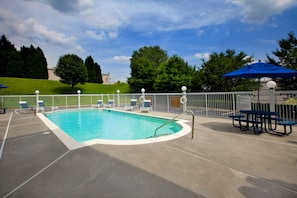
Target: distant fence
{"type": "Point", "coordinates": [213, 104]}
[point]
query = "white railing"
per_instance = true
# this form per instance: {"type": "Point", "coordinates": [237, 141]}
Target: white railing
{"type": "Point", "coordinates": [213, 104]}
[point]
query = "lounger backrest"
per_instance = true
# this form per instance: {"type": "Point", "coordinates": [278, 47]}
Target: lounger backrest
{"type": "Point", "coordinates": [23, 104]}
{"type": "Point", "coordinates": [133, 102]}
{"type": "Point", "coordinates": [99, 102]}
{"type": "Point", "coordinates": [147, 103]}
{"type": "Point", "coordinates": [110, 101]}
{"type": "Point", "coordinates": [41, 103]}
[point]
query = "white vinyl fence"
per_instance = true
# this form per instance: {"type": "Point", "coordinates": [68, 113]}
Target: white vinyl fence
{"type": "Point", "coordinates": [213, 104]}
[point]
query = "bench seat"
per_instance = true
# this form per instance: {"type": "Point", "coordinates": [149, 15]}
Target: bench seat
{"type": "Point", "coordinates": [285, 124]}
{"type": "Point", "coordinates": [235, 117]}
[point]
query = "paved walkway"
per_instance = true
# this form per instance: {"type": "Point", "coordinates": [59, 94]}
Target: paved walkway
{"type": "Point", "coordinates": [221, 161]}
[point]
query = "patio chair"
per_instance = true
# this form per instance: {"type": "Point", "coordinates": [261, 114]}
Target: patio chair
{"type": "Point", "coordinates": [99, 104]}
{"type": "Point", "coordinates": [24, 108]}
{"type": "Point", "coordinates": [110, 104]}
{"type": "Point", "coordinates": [41, 106]}
{"type": "Point", "coordinates": [133, 105]}
{"type": "Point", "coordinates": [146, 106]}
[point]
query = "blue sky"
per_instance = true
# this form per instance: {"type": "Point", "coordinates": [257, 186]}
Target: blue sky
{"type": "Point", "coordinates": [111, 30]}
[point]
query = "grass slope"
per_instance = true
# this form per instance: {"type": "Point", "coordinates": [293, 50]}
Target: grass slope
{"type": "Point", "coordinates": [25, 86]}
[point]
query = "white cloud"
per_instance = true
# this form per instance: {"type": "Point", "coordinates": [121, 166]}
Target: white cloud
{"type": "Point", "coordinates": [52, 36]}
{"type": "Point", "coordinates": [98, 36]}
{"type": "Point", "coordinates": [202, 56]}
{"type": "Point", "coordinates": [113, 35]}
{"type": "Point", "coordinates": [85, 3]}
{"type": "Point", "coordinates": [101, 35]}
{"type": "Point", "coordinates": [120, 27]}
{"type": "Point", "coordinates": [30, 29]}
{"type": "Point", "coordinates": [255, 11]}
{"type": "Point", "coordinates": [201, 32]}
{"type": "Point", "coordinates": [121, 58]}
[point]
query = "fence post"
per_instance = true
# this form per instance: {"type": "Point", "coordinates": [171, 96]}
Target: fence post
{"type": "Point", "coordinates": [37, 104]}
{"type": "Point", "coordinates": [206, 105]}
{"type": "Point", "coordinates": [78, 95]}
{"type": "Point", "coordinates": [118, 92]}
{"type": "Point", "coordinates": [183, 99]}
{"type": "Point", "coordinates": [271, 85]}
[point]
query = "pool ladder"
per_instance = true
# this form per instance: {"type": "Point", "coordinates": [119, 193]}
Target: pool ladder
{"type": "Point", "coordinates": [173, 119]}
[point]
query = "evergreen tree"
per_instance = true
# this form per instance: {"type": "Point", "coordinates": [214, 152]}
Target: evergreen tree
{"type": "Point", "coordinates": [35, 65]}
{"type": "Point", "coordinates": [10, 60]}
{"type": "Point", "coordinates": [94, 70]}
{"type": "Point", "coordinates": [287, 57]}
{"type": "Point", "coordinates": [98, 76]}
{"type": "Point", "coordinates": [89, 63]}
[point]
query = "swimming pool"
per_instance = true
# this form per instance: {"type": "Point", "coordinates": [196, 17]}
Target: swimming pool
{"type": "Point", "coordinates": [88, 126]}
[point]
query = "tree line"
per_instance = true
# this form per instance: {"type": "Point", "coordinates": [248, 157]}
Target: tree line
{"type": "Point", "coordinates": [154, 70]}
{"type": "Point", "coordinates": [30, 62]}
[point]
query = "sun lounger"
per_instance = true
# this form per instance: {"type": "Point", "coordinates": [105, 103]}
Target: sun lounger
{"type": "Point", "coordinates": [132, 106]}
{"type": "Point", "coordinates": [110, 104]}
{"type": "Point", "coordinates": [146, 106]}
{"type": "Point", "coordinates": [41, 106]}
{"type": "Point", "coordinates": [99, 104]}
{"type": "Point", "coordinates": [24, 108]}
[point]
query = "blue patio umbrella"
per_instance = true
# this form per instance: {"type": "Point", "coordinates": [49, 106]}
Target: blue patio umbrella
{"type": "Point", "coordinates": [3, 86]}
{"type": "Point", "coordinates": [259, 70]}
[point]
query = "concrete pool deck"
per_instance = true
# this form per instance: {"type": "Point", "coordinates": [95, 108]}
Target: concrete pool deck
{"type": "Point", "coordinates": [221, 161]}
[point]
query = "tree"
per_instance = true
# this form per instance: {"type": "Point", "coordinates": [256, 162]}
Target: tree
{"type": "Point", "coordinates": [144, 64]}
{"type": "Point", "coordinates": [98, 76]}
{"type": "Point", "coordinates": [287, 57]}
{"type": "Point", "coordinates": [35, 65]}
{"type": "Point", "coordinates": [71, 69]}
{"type": "Point", "coordinates": [94, 70]}
{"type": "Point", "coordinates": [212, 72]}
{"type": "Point", "coordinates": [11, 63]}
{"type": "Point", "coordinates": [172, 74]}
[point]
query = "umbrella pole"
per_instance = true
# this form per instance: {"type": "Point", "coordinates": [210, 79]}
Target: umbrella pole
{"type": "Point", "coordinates": [258, 99]}
{"type": "Point", "coordinates": [258, 94]}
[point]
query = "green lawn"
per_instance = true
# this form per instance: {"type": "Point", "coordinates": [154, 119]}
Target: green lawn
{"type": "Point", "coordinates": [25, 86]}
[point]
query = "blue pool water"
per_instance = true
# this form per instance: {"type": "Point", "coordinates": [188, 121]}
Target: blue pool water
{"type": "Point", "coordinates": [84, 125]}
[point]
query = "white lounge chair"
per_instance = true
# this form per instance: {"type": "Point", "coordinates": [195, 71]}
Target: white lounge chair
{"type": "Point", "coordinates": [41, 106]}
{"type": "Point", "coordinates": [146, 106]}
{"type": "Point", "coordinates": [133, 105]}
{"type": "Point", "coordinates": [24, 107]}
{"type": "Point", "coordinates": [99, 104]}
{"type": "Point", "coordinates": [110, 104]}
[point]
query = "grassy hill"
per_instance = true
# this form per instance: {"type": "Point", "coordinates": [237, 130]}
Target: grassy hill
{"type": "Point", "coordinates": [25, 86]}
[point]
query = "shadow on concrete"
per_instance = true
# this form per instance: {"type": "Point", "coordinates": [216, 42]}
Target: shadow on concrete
{"type": "Point", "coordinates": [293, 142]}
{"type": "Point", "coordinates": [263, 189]}
{"type": "Point", "coordinates": [225, 127]}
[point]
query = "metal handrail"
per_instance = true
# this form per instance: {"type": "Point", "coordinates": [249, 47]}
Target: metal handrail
{"type": "Point", "coordinates": [171, 120]}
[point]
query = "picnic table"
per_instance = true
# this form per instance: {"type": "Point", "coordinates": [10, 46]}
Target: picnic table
{"type": "Point", "coordinates": [261, 121]}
